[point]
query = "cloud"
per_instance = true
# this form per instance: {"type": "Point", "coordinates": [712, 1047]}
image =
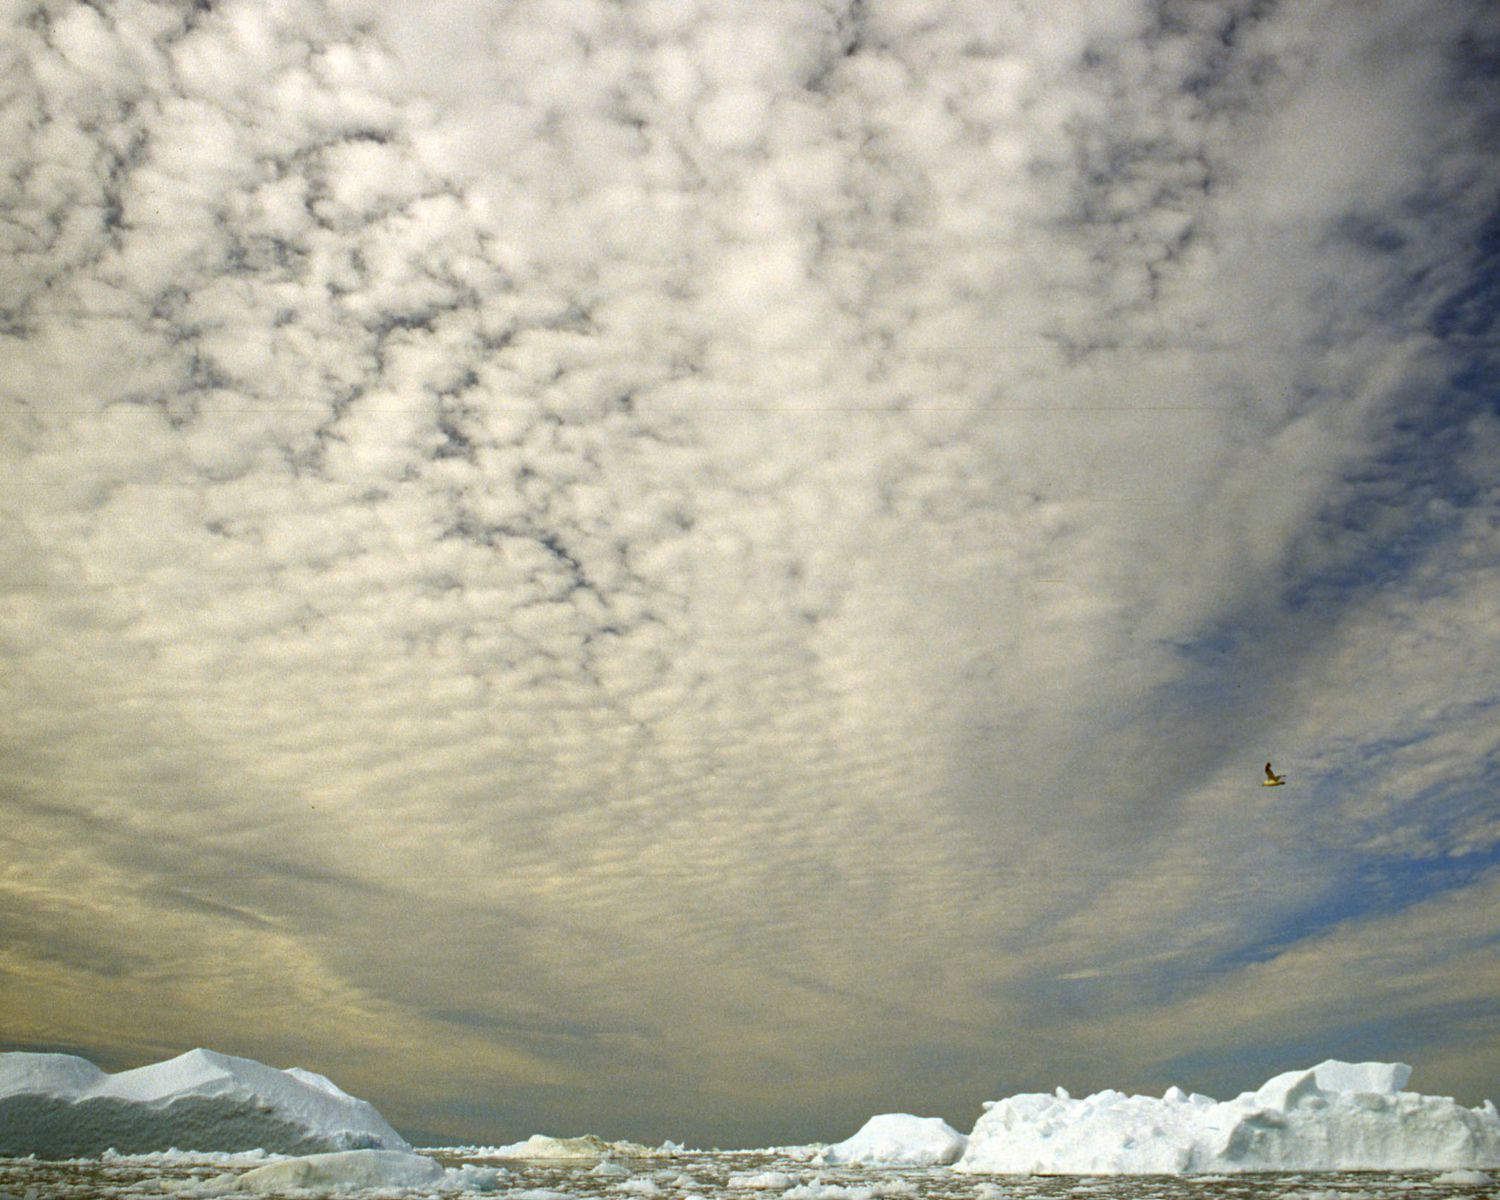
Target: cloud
{"type": "Point", "coordinates": [710, 568]}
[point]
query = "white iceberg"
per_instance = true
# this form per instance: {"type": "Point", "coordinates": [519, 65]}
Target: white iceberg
{"type": "Point", "coordinates": [541, 1147]}
{"type": "Point", "coordinates": [61, 1106]}
{"type": "Point", "coordinates": [350, 1170]}
{"type": "Point", "coordinates": [340, 1171]}
{"type": "Point", "coordinates": [900, 1140]}
{"type": "Point", "coordinates": [1335, 1116]}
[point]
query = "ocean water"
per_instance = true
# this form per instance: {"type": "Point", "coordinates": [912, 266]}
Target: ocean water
{"type": "Point", "coordinates": [714, 1176]}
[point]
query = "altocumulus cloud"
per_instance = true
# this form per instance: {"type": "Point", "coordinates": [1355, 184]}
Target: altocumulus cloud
{"type": "Point", "coordinates": [708, 570]}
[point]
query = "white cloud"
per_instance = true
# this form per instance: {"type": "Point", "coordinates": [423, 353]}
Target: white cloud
{"type": "Point", "coordinates": [759, 543]}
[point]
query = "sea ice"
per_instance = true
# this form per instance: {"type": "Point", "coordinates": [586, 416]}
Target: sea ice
{"type": "Point", "coordinates": [1335, 1116]}
{"type": "Point", "coordinates": [1463, 1178]}
{"type": "Point", "coordinates": [761, 1181]}
{"type": "Point", "coordinates": [61, 1106]}
{"type": "Point", "coordinates": [891, 1189]}
{"type": "Point", "coordinates": [900, 1140]}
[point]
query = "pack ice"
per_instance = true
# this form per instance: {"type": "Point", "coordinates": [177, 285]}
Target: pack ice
{"type": "Point", "coordinates": [1335, 1116]}
{"type": "Point", "coordinates": [61, 1106]}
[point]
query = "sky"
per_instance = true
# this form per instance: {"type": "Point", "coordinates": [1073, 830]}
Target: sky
{"type": "Point", "coordinates": [703, 571]}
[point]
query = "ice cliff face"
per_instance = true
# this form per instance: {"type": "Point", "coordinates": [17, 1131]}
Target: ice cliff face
{"type": "Point", "coordinates": [60, 1106]}
{"type": "Point", "coordinates": [1335, 1116]}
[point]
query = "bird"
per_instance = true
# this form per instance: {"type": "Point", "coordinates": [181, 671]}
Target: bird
{"type": "Point", "coordinates": [1272, 779]}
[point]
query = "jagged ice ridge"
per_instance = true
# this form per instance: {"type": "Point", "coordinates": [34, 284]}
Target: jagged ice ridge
{"type": "Point", "coordinates": [1335, 1116]}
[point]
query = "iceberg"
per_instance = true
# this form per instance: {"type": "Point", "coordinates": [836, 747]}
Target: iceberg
{"type": "Point", "coordinates": [62, 1106]}
{"type": "Point", "coordinates": [541, 1147]}
{"type": "Point", "coordinates": [1336, 1116]}
{"type": "Point", "coordinates": [900, 1140]}
{"type": "Point", "coordinates": [340, 1170]}
{"type": "Point", "coordinates": [349, 1170]}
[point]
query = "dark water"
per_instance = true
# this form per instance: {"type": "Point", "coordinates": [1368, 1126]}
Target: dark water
{"type": "Point", "coordinates": [715, 1176]}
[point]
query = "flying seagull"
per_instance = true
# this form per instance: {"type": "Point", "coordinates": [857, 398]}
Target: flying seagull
{"type": "Point", "coordinates": [1272, 779]}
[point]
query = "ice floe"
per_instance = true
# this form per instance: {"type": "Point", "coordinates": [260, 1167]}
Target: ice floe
{"type": "Point", "coordinates": [1464, 1178]}
{"type": "Point", "coordinates": [891, 1189]}
{"type": "Point", "coordinates": [761, 1181]}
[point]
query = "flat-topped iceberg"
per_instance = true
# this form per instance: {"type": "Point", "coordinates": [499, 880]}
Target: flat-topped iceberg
{"type": "Point", "coordinates": [353, 1170]}
{"type": "Point", "coordinates": [340, 1170]}
{"type": "Point", "coordinates": [1335, 1116]}
{"type": "Point", "coordinates": [542, 1147]}
{"type": "Point", "coordinates": [61, 1106]}
{"type": "Point", "coordinates": [900, 1140]}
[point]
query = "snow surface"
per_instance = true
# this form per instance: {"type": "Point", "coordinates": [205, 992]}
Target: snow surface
{"type": "Point", "coordinates": [1335, 1116]}
{"type": "Point", "coordinates": [900, 1140]}
{"type": "Point", "coordinates": [61, 1106]}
